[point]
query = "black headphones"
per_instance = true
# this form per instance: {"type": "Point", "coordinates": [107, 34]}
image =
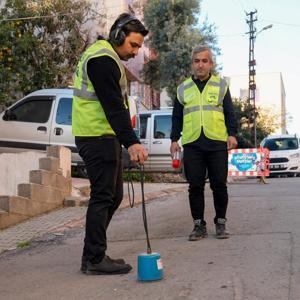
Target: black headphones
{"type": "Point", "coordinates": [117, 36]}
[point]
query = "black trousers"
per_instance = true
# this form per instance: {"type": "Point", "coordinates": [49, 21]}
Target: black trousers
{"type": "Point", "coordinates": [196, 162]}
{"type": "Point", "coordinates": [103, 160]}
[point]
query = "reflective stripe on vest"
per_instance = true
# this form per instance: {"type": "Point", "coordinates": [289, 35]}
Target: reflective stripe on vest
{"type": "Point", "coordinates": [83, 92]}
{"type": "Point", "coordinates": [88, 117]}
{"type": "Point", "coordinates": [205, 107]}
{"type": "Point", "coordinates": [203, 110]}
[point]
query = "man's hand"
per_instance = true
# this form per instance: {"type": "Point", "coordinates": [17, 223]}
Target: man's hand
{"type": "Point", "coordinates": [231, 143]}
{"type": "Point", "coordinates": [174, 147]}
{"type": "Point", "coordinates": [137, 153]}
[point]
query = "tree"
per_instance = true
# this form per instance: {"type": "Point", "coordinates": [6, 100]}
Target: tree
{"type": "Point", "coordinates": [266, 123]}
{"type": "Point", "coordinates": [173, 34]}
{"type": "Point", "coordinates": [40, 43]}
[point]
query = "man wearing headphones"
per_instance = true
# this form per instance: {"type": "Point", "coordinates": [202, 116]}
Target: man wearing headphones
{"type": "Point", "coordinates": [101, 124]}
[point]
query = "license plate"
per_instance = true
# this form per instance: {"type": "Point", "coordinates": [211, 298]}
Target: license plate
{"type": "Point", "coordinates": [274, 167]}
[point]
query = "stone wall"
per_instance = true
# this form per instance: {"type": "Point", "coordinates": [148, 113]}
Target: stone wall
{"type": "Point", "coordinates": [14, 169]}
{"type": "Point", "coordinates": [47, 186]}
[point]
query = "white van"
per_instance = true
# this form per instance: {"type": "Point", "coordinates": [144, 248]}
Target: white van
{"type": "Point", "coordinates": [284, 154]}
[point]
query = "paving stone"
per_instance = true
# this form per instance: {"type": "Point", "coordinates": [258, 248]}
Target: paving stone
{"type": "Point", "coordinates": [38, 226]}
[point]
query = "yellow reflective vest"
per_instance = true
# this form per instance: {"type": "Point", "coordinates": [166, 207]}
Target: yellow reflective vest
{"type": "Point", "coordinates": [203, 110]}
{"type": "Point", "coordinates": [88, 117]}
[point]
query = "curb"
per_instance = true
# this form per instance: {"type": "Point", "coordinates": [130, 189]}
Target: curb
{"type": "Point", "coordinates": [62, 220]}
{"type": "Point", "coordinates": [73, 201]}
{"type": "Point", "coordinates": [83, 202]}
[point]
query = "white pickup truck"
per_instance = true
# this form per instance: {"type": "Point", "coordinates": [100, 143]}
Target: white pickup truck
{"type": "Point", "coordinates": [44, 118]}
{"type": "Point", "coordinates": [40, 119]}
{"type": "Point", "coordinates": [155, 130]}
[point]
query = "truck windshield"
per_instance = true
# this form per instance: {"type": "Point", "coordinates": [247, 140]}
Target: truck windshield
{"type": "Point", "coordinates": [281, 144]}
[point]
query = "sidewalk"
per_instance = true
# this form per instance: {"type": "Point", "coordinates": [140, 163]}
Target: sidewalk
{"type": "Point", "coordinates": [57, 221]}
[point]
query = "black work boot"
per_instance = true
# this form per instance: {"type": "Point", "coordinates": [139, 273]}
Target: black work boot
{"type": "Point", "coordinates": [83, 268]}
{"type": "Point", "coordinates": [107, 267]}
{"type": "Point", "coordinates": [221, 232]}
{"type": "Point", "coordinates": [199, 231]}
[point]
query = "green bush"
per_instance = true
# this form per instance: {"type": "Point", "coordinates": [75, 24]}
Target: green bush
{"type": "Point", "coordinates": [136, 176]}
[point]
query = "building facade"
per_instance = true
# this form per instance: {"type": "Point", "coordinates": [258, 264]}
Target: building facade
{"type": "Point", "coordinates": [269, 93]}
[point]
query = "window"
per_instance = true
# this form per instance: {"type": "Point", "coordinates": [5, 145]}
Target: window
{"type": "Point", "coordinates": [64, 111]}
{"type": "Point", "coordinates": [281, 144]}
{"type": "Point", "coordinates": [32, 110]}
{"type": "Point", "coordinates": [143, 125]}
{"type": "Point", "coordinates": [162, 127]}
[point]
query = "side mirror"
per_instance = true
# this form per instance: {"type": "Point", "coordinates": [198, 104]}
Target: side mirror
{"type": "Point", "coordinates": [9, 116]}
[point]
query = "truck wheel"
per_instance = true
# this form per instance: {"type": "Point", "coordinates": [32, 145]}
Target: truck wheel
{"type": "Point", "coordinates": [81, 170]}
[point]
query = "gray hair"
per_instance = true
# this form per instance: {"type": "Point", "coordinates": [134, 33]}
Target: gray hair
{"type": "Point", "coordinates": [202, 48]}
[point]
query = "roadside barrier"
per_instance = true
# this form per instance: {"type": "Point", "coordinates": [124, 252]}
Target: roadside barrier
{"type": "Point", "coordinates": [248, 162]}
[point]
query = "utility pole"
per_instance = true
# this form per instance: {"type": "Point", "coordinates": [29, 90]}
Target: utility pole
{"type": "Point", "coordinates": [251, 18]}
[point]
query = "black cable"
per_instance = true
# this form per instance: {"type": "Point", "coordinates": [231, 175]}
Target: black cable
{"type": "Point", "coordinates": [129, 182]}
{"type": "Point", "coordinates": [149, 251]}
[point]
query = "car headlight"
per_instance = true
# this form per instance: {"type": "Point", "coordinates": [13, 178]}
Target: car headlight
{"type": "Point", "coordinates": [296, 155]}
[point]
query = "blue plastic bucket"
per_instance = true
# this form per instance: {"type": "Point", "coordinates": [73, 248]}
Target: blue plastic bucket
{"type": "Point", "coordinates": [150, 267]}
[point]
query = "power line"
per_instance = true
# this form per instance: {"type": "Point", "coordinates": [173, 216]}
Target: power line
{"type": "Point", "coordinates": [281, 23]}
{"type": "Point", "coordinates": [94, 11]}
{"type": "Point", "coordinates": [240, 4]}
{"type": "Point", "coordinates": [59, 14]}
{"type": "Point", "coordinates": [265, 20]}
{"type": "Point", "coordinates": [232, 34]}
{"type": "Point", "coordinates": [47, 16]}
{"type": "Point", "coordinates": [37, 17]}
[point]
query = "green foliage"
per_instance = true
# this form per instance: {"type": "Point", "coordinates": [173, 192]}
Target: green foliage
{"type": "Point", "coordinates": [23, 244]}
{"type": "Point", "coordinates": [243, 112]}
{"type": "Point", "coordinates": [174, 33]}
{"type": "Point", "coordinates": [266, 123]}
{"type": "Point", "coordinates": [136, 176]}
{"type": "Point", "coordinates": [40, 52]}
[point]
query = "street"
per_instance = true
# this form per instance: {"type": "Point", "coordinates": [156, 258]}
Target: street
{"type": "Point", "coordinates": [261, 260]}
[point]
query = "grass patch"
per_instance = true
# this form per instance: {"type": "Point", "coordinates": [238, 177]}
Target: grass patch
{"type": "Point", "coordinates": [23, 244]}
{"type": "Point", "coordinates": [136, 176]}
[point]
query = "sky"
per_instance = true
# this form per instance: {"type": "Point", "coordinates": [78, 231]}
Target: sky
{"type": "Point", "coordinates": [276, 49]}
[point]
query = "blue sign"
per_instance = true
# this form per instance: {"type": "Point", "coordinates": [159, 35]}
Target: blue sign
{"type": "Point", "coordinates": [243, 162]}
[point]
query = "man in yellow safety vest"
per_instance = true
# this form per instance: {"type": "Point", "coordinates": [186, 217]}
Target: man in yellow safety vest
{"type": "Point", "coordinates": [203, 117]}
{"type": "Point", "coordinates": [101, 124]}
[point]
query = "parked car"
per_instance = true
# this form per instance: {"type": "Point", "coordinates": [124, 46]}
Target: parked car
{"type": "Point", "coordinates": [284, 154]}
{"type": "Point", "coordinates": [44, 118]}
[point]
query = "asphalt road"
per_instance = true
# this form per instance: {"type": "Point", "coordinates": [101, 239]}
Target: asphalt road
{"type": "Point", "coordinates": [261, 260]}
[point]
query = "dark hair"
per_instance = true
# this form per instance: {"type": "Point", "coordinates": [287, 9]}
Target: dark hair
{"type": "Point", "coordinates": [134, 25]}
